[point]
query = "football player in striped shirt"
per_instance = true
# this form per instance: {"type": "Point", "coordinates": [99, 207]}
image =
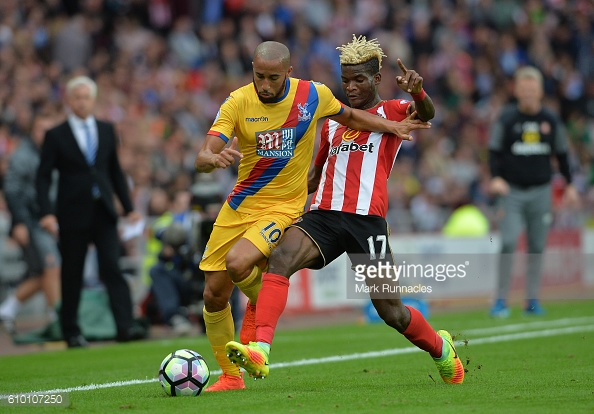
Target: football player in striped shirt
{"type": "Point", "coordinates": [274, 122]}
{"type": "Point", "coordinates": [348, 212]}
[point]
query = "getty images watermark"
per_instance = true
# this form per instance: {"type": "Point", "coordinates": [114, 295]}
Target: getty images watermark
{"type": "Point", "coordinates": [429, 276]}
{"type": "Point", "coordinates": [465, 276]}
{"type": "Point", "coordinates": [387, 273]}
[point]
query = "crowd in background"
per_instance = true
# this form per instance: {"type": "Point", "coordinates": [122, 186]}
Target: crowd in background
{"type": "Point", "coordinates": [163, 67]}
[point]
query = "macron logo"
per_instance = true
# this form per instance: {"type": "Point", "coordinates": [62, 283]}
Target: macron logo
{"type": "Point", "coordinates": [260, 119]}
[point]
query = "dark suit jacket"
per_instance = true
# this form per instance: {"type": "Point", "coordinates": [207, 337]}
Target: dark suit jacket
{"type": "Point", "coordinates": [75, 203]}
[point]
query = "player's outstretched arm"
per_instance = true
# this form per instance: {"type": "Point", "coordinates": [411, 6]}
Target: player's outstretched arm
{"type": "Point", "coordinates": [411, 82]}
{"type": "Point", "coordinates": [424, 108]}
{"type": "Point", "coordinates": [364, 121]}
{"type": "Point", "coordinates": [213, 154]}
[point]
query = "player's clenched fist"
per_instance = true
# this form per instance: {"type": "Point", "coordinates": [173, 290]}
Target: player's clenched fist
{"type": "Point", "coordinates": [227, 156]}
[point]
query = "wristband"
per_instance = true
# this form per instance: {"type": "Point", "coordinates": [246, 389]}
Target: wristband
{"type": "Point", "coordinates": [419, 96]}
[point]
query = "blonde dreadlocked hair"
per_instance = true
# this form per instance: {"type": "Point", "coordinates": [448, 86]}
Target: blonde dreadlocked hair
{"type": "Point", "coordinates": [361, 50]}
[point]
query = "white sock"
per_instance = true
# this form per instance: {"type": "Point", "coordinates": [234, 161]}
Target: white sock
{"type": "Point", "coordinates": [52, 316]}
{"type": "Point", "coordinates": [9, 307]}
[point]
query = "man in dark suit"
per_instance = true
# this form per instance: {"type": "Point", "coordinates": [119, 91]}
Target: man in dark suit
{"type": "Point", "coordinates": [83, 150]}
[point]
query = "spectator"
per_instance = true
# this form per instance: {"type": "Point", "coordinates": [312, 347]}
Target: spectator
{"type": "Point", "coordinates": [158, 207]}
{"type": "Point", "coordinates": [39, 247]}
{"type": "Point", "coordinates": [175, 266]}
{"type": "Point", "coordinates": [72, 44]}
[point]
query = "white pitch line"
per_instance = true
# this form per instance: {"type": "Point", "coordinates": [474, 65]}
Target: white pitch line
{"type": "Point", "coordinates": [409, 350]}
{"type": "Point", "coordinates": [340, 358]}
{"type": "Point", "coordinates": [521, 327]}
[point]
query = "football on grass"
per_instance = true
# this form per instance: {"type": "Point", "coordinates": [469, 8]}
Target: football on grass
{"type": "Point", "coordinates": [184, 372]}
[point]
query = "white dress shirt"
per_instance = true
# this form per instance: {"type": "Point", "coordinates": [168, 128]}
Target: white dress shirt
{"type": "Point", "coordinates": [78, 128]}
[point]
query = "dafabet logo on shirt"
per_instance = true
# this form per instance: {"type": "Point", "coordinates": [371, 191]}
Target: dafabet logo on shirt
{"type": "Point", "coordinates": [351, 147]}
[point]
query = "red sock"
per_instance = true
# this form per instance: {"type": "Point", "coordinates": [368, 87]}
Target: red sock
{"type": "Point", "coordinates": [420, 333]}
{"type": "Point", "coordinates": [272, 300]}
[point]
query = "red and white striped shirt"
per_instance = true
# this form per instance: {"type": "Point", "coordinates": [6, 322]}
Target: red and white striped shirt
{"type": "Point", "coordinates": [357, 164]}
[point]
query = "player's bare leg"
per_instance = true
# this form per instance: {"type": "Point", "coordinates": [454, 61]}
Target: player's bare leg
{"type": "Point", "coordinates": [243, 267]}
{"type": "Point", "coordinates": [393, 312]}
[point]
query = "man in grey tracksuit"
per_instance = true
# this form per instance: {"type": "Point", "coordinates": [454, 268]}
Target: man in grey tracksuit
{"type": "Point", "coordinates": [522, 142]}
{"type": "Point", "coordinates": [40, 250]}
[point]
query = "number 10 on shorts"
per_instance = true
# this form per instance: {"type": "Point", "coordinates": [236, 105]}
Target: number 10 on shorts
{"type": "Point", "coordinates": [271, 233]}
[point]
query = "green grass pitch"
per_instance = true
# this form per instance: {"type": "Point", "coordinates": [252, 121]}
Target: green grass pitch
{"type": "Point", "coordinates": [516, 365]}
